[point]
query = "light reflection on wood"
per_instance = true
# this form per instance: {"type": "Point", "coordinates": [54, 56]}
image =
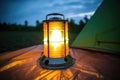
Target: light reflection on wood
{"type": "Point", "coordinates": [24, 66]}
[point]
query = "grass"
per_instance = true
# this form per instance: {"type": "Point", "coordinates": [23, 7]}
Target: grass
{"type": "Point", "coordinates": [10, 41]}
{"type": "Point", "coordinates": [13, 40]}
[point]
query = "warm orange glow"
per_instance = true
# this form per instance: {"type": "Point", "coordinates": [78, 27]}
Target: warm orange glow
{"type": "Point", "coordinates": [45, 39]}
{"type": "Point", "coordinates": [67, 47]}
{"type": "Point", "coordinates": [58, 47]}
{"type": "Point", "coordinates": [55, 38]}
{"type": "Point", "coordinates": [56, 35]}
{"type": "Point", "coordinates": [12, 64]}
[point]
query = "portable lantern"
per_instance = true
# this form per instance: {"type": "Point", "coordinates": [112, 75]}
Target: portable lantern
{"type": "Point", "coordinates": [56, 50]}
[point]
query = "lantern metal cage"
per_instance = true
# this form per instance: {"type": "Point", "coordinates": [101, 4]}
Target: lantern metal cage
{"type": "Point", "coordinates": [56, 48]}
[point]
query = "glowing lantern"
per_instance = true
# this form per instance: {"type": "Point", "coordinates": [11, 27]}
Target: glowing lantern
{"type": "Point", "coordinates": [56, 50]}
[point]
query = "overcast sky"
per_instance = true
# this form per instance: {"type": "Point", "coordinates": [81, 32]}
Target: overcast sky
{"type": "Point", "coordinates": [17, 11]}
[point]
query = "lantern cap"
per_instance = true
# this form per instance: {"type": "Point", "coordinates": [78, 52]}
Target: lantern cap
{"type": "Point", "coordinates": [55, 18]}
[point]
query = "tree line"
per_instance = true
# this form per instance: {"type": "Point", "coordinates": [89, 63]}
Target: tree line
{"type": "Point", "coordinates": [73, 27]}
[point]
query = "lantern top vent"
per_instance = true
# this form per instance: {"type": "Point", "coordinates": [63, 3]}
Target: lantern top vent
{"type": "Point", "coordinates": [55, 16]}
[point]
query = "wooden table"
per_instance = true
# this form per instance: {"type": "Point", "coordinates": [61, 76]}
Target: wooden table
{"type": "Point", "coordinates": [89, 65]}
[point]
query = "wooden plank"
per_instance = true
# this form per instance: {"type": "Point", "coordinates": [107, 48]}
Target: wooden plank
{"type": "Point", "coordinates": [88, 65]}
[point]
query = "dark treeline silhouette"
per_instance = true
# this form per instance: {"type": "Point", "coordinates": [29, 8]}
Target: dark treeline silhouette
{"type": "Point", "coordinates": [73, 27]}
{"type": "Point", "coordinates": [17, 36]}
{"type": "Point", "coordinates": [18, 27]}
{"type": "Point", "coordinates": [76, 28]}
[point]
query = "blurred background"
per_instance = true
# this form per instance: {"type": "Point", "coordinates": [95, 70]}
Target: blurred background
{"type": "Point", "coordinates": [21, 20]}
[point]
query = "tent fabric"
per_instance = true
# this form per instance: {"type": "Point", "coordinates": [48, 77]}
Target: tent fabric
{"type": "Point", "coordinates": [103, 29]}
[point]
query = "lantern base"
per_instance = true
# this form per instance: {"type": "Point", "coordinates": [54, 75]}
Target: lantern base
{"type": "Point", "coordinates": [56, 63]}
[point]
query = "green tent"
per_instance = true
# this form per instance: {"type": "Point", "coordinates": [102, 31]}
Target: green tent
{"type": "Point", "coordinates": [103, 30]}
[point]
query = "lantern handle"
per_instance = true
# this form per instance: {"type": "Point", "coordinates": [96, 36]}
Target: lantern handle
{"type": "Point", "coordinates": [55, 15]}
